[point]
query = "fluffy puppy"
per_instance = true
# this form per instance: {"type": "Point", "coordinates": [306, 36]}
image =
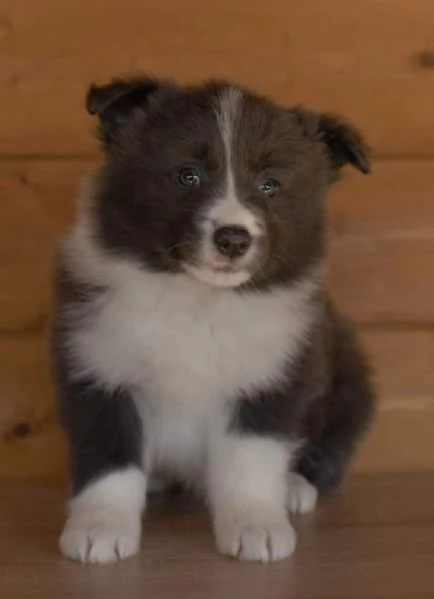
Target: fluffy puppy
{"type": "Point", "coordinates": [194, 339]}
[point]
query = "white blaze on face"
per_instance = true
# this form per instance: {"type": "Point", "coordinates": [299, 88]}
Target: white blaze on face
{"type": "Point", "coordinates": [226, 209]}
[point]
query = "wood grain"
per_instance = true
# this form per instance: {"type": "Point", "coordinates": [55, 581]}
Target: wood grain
{"type": "Point", "coordinates": [380, 280]}
{"type": "Point", "coordinates": [36, 206]}
{"type": "Point", "coordinates": [374, 539]}
{"type": "Point", "coordinates": [358, 58]}
{"type": "Point", "coordinates": [382, 251]}
{"type": "Point", "coordinates": [32, 443]}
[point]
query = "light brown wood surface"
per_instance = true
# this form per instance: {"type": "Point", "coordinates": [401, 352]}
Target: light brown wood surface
{"type": "Point", "coordinates": [374, 539]}
{"type": "Point", "coordinates": [358, 58]}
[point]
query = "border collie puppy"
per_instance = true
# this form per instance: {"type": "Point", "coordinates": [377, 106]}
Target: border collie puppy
{"type": "Point", "coordinates": [194, 339]}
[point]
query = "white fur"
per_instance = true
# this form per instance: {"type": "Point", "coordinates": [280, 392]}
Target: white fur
{"type": "Point", "coordinates": [189, 349]}
{"type": "Point", "coordinates": [104, 519]}
{"type": "Point", "coordinates": [248, 495]}
{"type": "Point", "coordinates": [227, 112]}
{"type": "Point", "coordinates": [302, 496]}
{"type": "Point", "coordinates": [227, 210]}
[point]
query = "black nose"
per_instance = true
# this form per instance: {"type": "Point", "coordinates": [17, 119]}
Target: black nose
{"type": "Point", "coordinates": [232, 241]}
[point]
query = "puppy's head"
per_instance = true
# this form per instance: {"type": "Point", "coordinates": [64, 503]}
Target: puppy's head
{"type": "Point", "coordinates": [216, 181]}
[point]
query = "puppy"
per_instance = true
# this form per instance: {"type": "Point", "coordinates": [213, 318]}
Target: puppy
{"type": "Point", "coordinates": [194, 339]}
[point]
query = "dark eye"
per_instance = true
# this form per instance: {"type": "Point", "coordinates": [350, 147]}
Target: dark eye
{"type": "Point", "coordinates": [269, 187]}
{"type": "Point", "coordinates": [189, 177]}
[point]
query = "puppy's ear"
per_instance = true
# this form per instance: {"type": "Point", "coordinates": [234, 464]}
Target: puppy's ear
{"type": "Point", "coordinates": [344, 143]}
{"type": "Point", "coordinates": [117, 102]}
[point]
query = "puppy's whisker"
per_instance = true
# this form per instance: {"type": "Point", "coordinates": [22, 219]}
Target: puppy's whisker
{"type": "Point", "coordinates": [281, 259]}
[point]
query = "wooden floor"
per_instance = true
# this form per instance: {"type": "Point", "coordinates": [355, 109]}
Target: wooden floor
{"type": "Point", "coordinates": [375, 539]}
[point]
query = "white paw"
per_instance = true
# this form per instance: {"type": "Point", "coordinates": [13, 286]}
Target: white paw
{"type": "Point", "coordinates": [302, 495]}
{"type": "Point", "coordinates": [99, 543]}
{"type": "Point", "coordinates": [258, 541]}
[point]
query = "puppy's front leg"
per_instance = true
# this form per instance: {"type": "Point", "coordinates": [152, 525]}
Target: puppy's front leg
{"type": "Point", "coordinates": [247, 491]}
{"type": "Point", "coordinates": [108, 483]}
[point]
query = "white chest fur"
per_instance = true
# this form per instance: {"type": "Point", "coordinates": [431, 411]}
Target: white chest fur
{"type": "Point", "coordinates": [186, 348]}
{"type": "Point", "coordinates": [186, 343]}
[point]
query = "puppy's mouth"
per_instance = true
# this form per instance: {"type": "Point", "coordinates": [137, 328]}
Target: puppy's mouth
{"type": "Point", "coordinates": [227, 275]}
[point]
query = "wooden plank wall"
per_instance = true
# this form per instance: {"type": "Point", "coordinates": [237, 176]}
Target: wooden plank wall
{"type": "Point", "coordinates": [372, 61]}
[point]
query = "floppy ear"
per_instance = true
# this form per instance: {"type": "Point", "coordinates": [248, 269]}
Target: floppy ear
{"type": "Point", "coordinates": [117, 102]}
{"type": "Point", "coordinates": [344, 143]}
